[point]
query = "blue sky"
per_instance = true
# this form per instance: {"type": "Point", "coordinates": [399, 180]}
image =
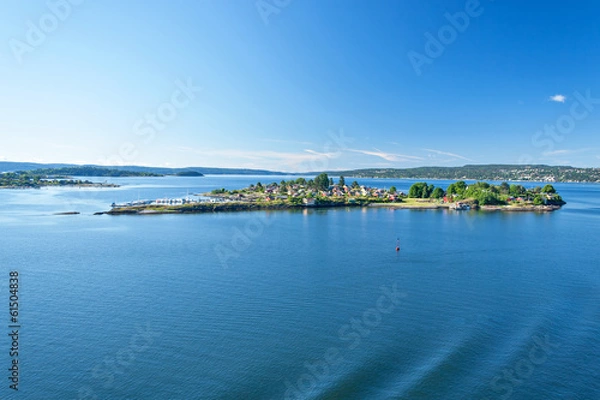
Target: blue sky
{"type": "Point", "coordinates": [299, 85]}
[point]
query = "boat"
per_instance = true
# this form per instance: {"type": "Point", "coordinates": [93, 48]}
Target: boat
{"type": "Point", "coordinates": [460, 206]}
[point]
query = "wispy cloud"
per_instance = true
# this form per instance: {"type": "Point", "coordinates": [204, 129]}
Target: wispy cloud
{"type": "Point", "coordinates": [567, 151]}
{"type": "Point", "coordinates": [559, 98]}
{"type": "Point", "coordinates": [556, 152]}
{"type": "Point", "coordinates": [386, 156]}
{"type": "Point", "coordinates": [326, 155]}
{"type": "Point", "coordinates": [307, 155]}
{"type": "Point", "coordinates": [285, 141]}
{"type": "Point", "coordinates": [445, 153]}
{"type": "Point", "coordinates": [291, 161]}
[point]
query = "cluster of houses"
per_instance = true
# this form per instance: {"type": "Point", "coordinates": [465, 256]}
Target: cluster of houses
{"type": "Point", "coordinates": [545, 198]}
{"type": "Point", "coordinates": [278, 192]}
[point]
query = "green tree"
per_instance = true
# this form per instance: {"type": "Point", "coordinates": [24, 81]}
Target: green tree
{"type": "Point", "coordinates": [461, 187]}
{"type": "Point", "coordinates": [322, 181]}
{"type": "Point", "coordinates": [301, 181]}
{"type": "Point", "coordinates": [548, 189]}
{"type": "Point", "coordinates": [458, 188]}
{"type": "Point", "coordinates": [428, 191]}
{"type": "Point", "coordinates": [392, 189]}
{"type": "Point", "coordinates": [537, 200]}
{"type": "Point", "coordinates": [488, 198]}
{"type": "Point", "coordinates": [517, 190]}
{"type": "Point", "coordinates": [451, 189]}
{"type": "Point", "coordinates": [342, 181]}
{"type": "Point", "coordinates": [417, 189]}
{"type": "Point", "coordinates": [437, 193]}
{"type": "Point", "coordinates": [355, 185]}
{"type": "Point", "coordinates": [504, 188]}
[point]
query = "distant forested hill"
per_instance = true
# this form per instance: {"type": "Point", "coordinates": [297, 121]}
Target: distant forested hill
{"type": "Point", "coordinates": [498, 172]}
{"type": "Point", "coordinates": [88, 171]}
{"type": "Point", "coordinates": [7, 166]}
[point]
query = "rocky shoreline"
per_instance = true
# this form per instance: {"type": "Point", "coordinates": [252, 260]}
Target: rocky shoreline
{"type": "Point", "coordinates": [505, 208]}
{"type": "Point", "coordinates": [241, 206]}
{"type": "Point", "coordinates": [212, 207]}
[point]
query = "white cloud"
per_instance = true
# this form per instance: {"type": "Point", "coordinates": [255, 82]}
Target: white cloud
{"type": "Point", "coordinates": [559, 98]}
{"type": "Point", "coordinates": [445, 153]}
{"type": "Point", "coordinates": [556, 152]}
{"type": "Point", "coordinates": [307, 155]}
{"type": "Point", "coordinates": [290, 161]}
{"type": "Point", "coordinates": [387, 156]}
{"type": "Point", "coordinates": [567, 151]}
{"type": "Point", "coordinates": [285, 141]}
{"type": "Point", "coordinates": [326, 155]}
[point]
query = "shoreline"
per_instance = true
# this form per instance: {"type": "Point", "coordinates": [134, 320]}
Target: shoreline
{"type": "Point", "coordinates": [95, 185]}
{"type": "Point", "coordinates": [201, 208]}
{"type": "Point", "coordinates": [507, 208]}
{"type": "Point", "coordinates": [241, 206]}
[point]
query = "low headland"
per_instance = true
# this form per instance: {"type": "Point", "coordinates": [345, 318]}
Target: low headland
{"type": "Point", "coordinates": [322, 192]}
{"type": "Point", "coordinates": [64, 177]}
{"type": "Point", "coordinates": [32, 180]}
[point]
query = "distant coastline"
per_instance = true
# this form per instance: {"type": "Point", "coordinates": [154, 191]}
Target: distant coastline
{"type": "Point", "coordinates": [490, 172]}
{"type": "Point", "coordinates": [85, 184]}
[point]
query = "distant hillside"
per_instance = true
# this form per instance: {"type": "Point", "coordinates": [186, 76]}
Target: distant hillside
{"type": "Point", "coordinates": [498, 172]}
{"type": "Point", "coordinates": [88, 171]}
{"type": "Point", "coordinates": [8, 166]}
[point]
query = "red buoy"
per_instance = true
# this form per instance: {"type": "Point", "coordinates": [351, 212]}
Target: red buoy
{"type": "Point", "coordinates": [398, 248]}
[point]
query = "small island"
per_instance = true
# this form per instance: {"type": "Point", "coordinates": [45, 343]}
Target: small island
{"type": "Point", "coordinates": [323, 192]}
{"type": "Point", "coordinates": [34, 180]}
{"type": "Point", "coordinates": [189, 173]}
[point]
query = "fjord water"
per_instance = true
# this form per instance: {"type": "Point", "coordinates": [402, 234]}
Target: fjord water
{"type": "Point", "coordinates": [312, 304]}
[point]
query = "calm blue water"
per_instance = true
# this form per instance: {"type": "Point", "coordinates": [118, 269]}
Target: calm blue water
{"type": "Point", "coordinates": [312, 304]}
